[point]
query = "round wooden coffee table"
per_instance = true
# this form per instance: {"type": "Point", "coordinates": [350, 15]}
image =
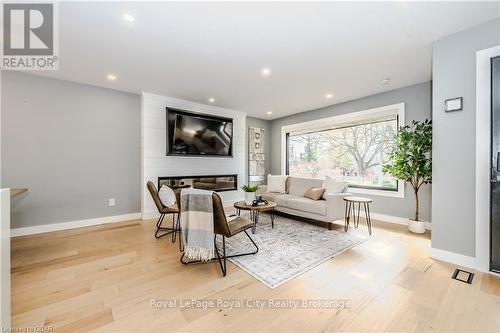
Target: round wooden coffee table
{"type": "Point", "coordinates": [255, 211]}
{"type": "Point", "coordinates": [350, 204]}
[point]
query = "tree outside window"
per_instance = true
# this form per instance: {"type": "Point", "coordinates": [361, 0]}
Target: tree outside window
{"type": "Point", "coordinates": [355, 153]}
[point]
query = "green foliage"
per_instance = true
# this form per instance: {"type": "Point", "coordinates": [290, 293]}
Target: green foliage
{"type": "Point", "coordinates": [411, 161]}
{"type": "Point", "coordinates": [250, 188]}
{"type": "Point", "coordinates": [309, 150]}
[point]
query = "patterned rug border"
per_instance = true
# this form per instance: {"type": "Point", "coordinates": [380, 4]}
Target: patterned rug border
{"type": "Point", "coordinates": [307, 269]}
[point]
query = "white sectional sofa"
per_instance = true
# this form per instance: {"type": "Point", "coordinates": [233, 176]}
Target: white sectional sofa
{"type": "Point", "coordinates": [293, 201]}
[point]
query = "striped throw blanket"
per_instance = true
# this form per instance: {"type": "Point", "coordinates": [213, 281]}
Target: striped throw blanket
{"type": "Point", "coordinates": [197, 223]}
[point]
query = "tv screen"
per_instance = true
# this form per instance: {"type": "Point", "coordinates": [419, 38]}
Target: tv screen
{"type": "Point", "coordinates": [197, 134]}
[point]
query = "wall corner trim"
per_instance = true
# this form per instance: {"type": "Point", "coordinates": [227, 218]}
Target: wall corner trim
{"type": "Point", "coordinates": [16, 232]}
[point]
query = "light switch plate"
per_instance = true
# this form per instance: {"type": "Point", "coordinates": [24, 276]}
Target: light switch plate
{"type": "Point", "coordinates": [111, 202]}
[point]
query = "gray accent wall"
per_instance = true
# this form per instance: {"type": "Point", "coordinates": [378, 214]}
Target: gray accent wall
{"type": "Point", "coordinates": [265, 124]}
{"type": "Point", "coordinates": [417, 99]}
{"type": "Point", "coordinates": [73, 145]}
{"type": "Point", "coordinates": [454, 146]}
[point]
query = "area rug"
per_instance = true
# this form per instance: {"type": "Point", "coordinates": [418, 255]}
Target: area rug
{"type": "Point", "coordinates": [290, 249]}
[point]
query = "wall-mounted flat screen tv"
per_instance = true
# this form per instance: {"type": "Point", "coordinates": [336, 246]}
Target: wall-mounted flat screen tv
{"type": "Point", "coordinates": [193, 134]}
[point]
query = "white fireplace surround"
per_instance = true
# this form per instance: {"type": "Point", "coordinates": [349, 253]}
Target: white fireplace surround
{"type": "Point", "coordinates": [156, 164]}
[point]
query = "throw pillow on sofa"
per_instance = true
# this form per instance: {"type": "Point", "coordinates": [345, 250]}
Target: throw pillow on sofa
{"type": "Point", "coordinates": [333, 186]}
{"type": "Point", "coordinates": [314, 193]}
{"type": "Point", "coordinates": [276, 184]}
{"type": "Point", "coordinates": [167, 196]}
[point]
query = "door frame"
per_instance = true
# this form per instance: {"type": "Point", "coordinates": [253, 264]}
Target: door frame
{"type": "Point", "coordinates": [483, 155]}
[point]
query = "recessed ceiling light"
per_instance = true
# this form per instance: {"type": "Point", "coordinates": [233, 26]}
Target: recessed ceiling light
{"type": "Point", "coordinates": [385, 80]}
{"type": "Point", "coordinates": [211, 100]}
{"type": "Point", "coordinates": [265, 72]}
{"type": "Point", "coordinates": [329, 96]}
{"type": "Point", "coordinates": [128, 18]}
{"type": "Point", "coordinates": [111, 77]}
{"type": "Point", "coordinates": [269, 112]}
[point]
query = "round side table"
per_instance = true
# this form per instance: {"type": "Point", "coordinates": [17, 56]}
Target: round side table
{"type": "Point", "coordinates": [255, 211]}
{"type": "Point", "coordinates": [350, 205]}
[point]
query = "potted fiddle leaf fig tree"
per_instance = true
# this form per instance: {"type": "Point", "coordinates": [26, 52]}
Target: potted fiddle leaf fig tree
{"type": "Point", "coordinates": [250, 193]}
{"type": "Point", "coordinates": [411, 161]}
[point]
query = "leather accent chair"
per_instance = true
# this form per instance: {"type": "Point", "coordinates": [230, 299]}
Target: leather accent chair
{"type": "Point", "coordinates": [226, 229]}
{"type": "Point", "coordinates": [164, 210]}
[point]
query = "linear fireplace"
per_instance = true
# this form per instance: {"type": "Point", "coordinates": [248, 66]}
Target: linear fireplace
{"type": "Point", "coordinates": [218, 183]}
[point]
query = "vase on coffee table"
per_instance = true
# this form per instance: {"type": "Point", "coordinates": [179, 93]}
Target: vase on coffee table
{"type": "Point", "coordinates": [249, 197]}
{"type": "Point", "coordinates": [250, 193]}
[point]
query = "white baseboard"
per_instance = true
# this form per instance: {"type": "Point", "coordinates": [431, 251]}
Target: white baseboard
{"type": "Point", "coordinates": [73, 224]}
{"type": "Point", "coordinates": [452, 258]}
{"type": "Point", "coordinates": [395, 219]}
{"type": "Point", "coordinates": [150, 215]}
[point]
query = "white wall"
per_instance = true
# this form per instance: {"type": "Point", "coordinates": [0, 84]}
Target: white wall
{"type": "Point", "coordinates": [156, 164]}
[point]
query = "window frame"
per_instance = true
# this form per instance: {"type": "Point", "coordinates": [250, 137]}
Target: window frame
{"type": "Point", "coordinates": [329, 123]}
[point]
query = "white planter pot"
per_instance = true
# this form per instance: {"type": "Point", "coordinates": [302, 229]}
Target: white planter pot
{"type": "Point", "coordinates": [417, 227]}
{"type": "Point", "coordinates": [249, 197]}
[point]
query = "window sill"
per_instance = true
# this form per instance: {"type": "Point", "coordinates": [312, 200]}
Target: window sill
{"type": "Point", "coordinates": [392, 194]}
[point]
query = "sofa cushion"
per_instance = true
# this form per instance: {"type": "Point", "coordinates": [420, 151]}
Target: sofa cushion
{"type": "Point", "coordinates": [270, 196]}
{"type": "Point", "coordinates": [276, 183]}
{"type": "Point", "coordinates": [333, 186]}
{"type": "Point", "coordinates": [306, 205]}
{"type": "Point", "coordinates": [279, 198]}
{"type": "Point", "coordinates": [298, 186]}
{"type": "Point", "coordinates": [314, 193]}
{"type": "Point", "coordinates": [282, 199]}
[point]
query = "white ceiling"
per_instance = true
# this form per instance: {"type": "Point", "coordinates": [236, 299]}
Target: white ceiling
{"type": "Point", "coordinates": [195, 51]}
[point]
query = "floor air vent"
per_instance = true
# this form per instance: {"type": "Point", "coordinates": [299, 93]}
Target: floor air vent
{"type": "Point", "coordinates": [463, 276]}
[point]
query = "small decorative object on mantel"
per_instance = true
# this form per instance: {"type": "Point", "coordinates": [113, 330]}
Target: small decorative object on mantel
{"type": "Point", "coordinates": [250, 193]}
{"type": "Point", "coordinates": [453, 104]}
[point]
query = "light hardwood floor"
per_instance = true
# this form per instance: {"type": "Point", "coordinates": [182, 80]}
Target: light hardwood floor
{"type": "Point", "coordinates": [103, 278]}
